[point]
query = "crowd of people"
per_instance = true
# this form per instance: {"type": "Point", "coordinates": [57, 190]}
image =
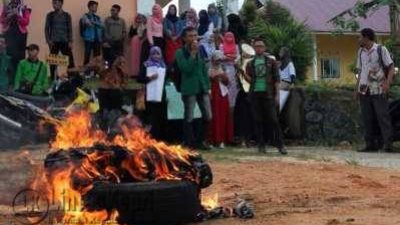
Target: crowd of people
{"type": "Point", "coordinates": [209, 60]}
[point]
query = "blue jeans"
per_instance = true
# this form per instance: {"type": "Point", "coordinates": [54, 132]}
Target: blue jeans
{"type": "Point", "coordinates": [189, 102]}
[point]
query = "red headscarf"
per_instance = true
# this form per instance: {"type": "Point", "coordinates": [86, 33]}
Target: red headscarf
{"type": "Point", "coordinates": [229, 44]}
{"type": "Point", "coordinates": [157, 15]}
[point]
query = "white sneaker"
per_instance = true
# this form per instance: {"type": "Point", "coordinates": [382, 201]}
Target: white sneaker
{"type": "Point", "coordinates": [222, 146]}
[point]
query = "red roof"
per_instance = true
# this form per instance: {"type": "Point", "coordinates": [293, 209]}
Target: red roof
{"type": "Point", "coordinates": [317, 13]}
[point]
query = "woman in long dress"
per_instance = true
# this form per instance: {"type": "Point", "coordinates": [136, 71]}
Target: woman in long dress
{"type": "Point", "coordinates": [173, 27]}
{"type": "Point", "coordinates": [231, 52]}
{"type": "Point", "coordinates": [221, 125]}
{"type": "Point", "coordinates": [138, 36]}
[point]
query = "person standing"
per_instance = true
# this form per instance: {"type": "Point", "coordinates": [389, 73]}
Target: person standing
{"type": "Point", "coordinates": [221, 125]}
{"type": "Point", "coordinates": [173, 27]}
{"type": "Point", "coordinates": [195, 87]}
{"type": "Point", "coordinates": [206, 27]}
{"type": "Point", "coordinates": [237, 27]}
{"type": "Point", "coordinates": [91, 29]}
{"type": "Point", "coordinates": [155, 32]}
{"type": "Point", "coordinates": [15, 19]}
{"type": "Point", "coordinates": [137, 34]}
{"type": "Point", "coordinates": [263, 74]}
{"type": "Point", "coordinates": [31, 77]}
{"type": "Point", "coordinates": [287, 73]}
{"type": "Point", "coordinates": [114, 35]}
{"type": "Point", "coordinates": [4, 63]}
{"type": "Point", "coordinates": [231, 52]}
{"type": "Point", "coordinates": [216, 19]}
{"type": "Point", "coordinates": [191, 19]}
{"type": "Point", "coordinates": [58, 33]}
{"type": "Point", "coordinates": [156, 111]}
{"type": "Point", "coordinates": [376, 72]}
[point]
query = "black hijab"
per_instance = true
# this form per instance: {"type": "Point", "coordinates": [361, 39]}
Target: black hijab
{"type": "Point", "coordinates": [285, 58]}
{"type": "Point", "coordinates": [173, 18]}
{"type": "Point", "coordinates": [204, 21]}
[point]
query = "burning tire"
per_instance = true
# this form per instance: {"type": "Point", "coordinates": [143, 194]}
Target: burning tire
{"type": "Point", "coordinates": [151, 203]}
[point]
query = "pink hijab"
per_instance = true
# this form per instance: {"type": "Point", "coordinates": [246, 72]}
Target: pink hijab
{"type": "Point", "coordinates": [229, 44]}
{"type": "Point", "coordinates": [157, 15]}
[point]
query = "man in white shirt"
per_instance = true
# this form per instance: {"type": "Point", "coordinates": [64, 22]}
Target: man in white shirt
{"type": "Point", "coordinates": [376, 71]}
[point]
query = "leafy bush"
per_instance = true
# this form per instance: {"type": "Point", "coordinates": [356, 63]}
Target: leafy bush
{"type": "Point", "coordinates": [279, 29]}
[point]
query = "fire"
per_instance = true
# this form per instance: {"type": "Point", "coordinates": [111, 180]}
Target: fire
{"type": "Point", "coordinates": [210, 202]}
{"type": "Point", "coordinates": [144, 159]}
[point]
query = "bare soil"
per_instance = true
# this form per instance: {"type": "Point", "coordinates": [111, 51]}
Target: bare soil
{"type": "Point", "coordinates": [282, 192]}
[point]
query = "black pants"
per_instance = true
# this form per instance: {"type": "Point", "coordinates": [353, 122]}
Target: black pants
{"type": "Point", "coordinates": [265, 115]}
{"type": "Point", "coordinates": [116, 49]}
{"type": "Point", "coordinates": [376, 119]}
{"type": "Point", "coordinates": [91, 46]}
{"type": "Point", "coordinates": [157, 118]}
{"type": "Point", "coordinates": [16, 44]}
{"type": "Point", "coordinates": [243, 118]}
{"type": "Point", "coordinates": [64, 48]}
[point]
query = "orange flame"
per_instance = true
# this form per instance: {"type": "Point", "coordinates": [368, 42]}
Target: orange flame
{"type": "Point", "coordinates": [77, 131]}
{"type": "Point", "coordinates": [210, 202]}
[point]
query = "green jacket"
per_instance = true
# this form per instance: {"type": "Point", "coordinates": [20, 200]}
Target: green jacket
{"type": "Point", "coordinates": [4, 63]}
{"type": "Point", "coordinates": [194, 76]}
{"type": "Point", "coordinates": [27, 71]}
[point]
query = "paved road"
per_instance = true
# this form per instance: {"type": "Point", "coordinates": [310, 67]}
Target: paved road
{"type": "Point", "coordinates": [345, 155]}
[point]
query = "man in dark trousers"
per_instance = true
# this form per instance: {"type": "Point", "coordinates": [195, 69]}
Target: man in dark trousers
{"type": "Point", "coordinates": [194, 87]}
{"type": "Point", "coordinates": [376, 71]}
{"type": "Point", "coordinates": [58, 32]}
{"type": "Point", "coordinates": [114, 35]}
{"type": "Point", "coordinates": [91, 29]}
{"type": "Point", "coordinates": [263, 75]}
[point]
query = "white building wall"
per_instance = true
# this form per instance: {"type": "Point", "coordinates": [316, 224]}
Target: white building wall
{"type": "Point", "coordinates": [144, 6]}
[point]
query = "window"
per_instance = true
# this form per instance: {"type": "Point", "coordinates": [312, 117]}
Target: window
{"type": "Point", "coordinates": [330, 68]}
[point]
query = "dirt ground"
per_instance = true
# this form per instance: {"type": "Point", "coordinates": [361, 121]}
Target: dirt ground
{"type": "Point", "coordinates": [283, 192]}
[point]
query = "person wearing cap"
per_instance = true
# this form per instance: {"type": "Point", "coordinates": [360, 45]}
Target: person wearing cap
{"type": "Point", "coordinates": [31, 77]}
{"type": "Point", "coordinates": [58, 33]}
{"type": "Point", "coordinates": [4, 64]}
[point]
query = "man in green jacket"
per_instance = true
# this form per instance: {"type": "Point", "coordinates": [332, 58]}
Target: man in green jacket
{"type": "Point", "coordinates": [32, 77]}
{"type": "Point", "coordinates": [195, 87]}
{"type": "Point", "coordinates": [4, 62]}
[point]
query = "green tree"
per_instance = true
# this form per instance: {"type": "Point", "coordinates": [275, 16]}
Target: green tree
{"type": "Point", "coordinates": [279, 29]}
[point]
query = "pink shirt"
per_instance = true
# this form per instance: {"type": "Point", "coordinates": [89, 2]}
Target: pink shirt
{"type": "Point", "coordinates": [23, 21]}
{"type": "Point", "coordinates": [154, 29]}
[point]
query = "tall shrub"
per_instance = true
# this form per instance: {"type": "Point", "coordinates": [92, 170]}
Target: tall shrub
{"type": "Point", "coordinates": [279, 29]}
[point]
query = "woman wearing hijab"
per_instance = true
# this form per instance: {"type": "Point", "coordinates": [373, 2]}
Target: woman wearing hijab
{"type": "Point", "coordinates": [191, 19]}
{"type": "Point", "coordinates": [138, 35]}
{"type": "Point", "coordinates": [208, 46]}
{"type": "Point", "coordinates": [15, 19]}
{"type": "Point", "coordinates": [287, 74]}
{"type": "Point", "coordinates": [156, 111]}
{"type": "Point", "coordinates": [206, 27]}
{"type": "Point", "coordinates": [155, 32]}
{"type": "Point", "coordinates": [221, 125]}
{"type": "Point", "coordinates": [231, 52]}
{"type": "Point", "coordinates": [237, 28]}
{"type": "Point", "coordinates": [215, 18]}
{"type": "Point", "coordinates": [173, 27]}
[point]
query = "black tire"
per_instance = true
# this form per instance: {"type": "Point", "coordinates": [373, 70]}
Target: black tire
{"type": "Point", "coordinates": [152, 203]}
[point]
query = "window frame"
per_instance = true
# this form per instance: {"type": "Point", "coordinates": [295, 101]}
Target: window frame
{"type": "Point", "coordinates": [332, 61]}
